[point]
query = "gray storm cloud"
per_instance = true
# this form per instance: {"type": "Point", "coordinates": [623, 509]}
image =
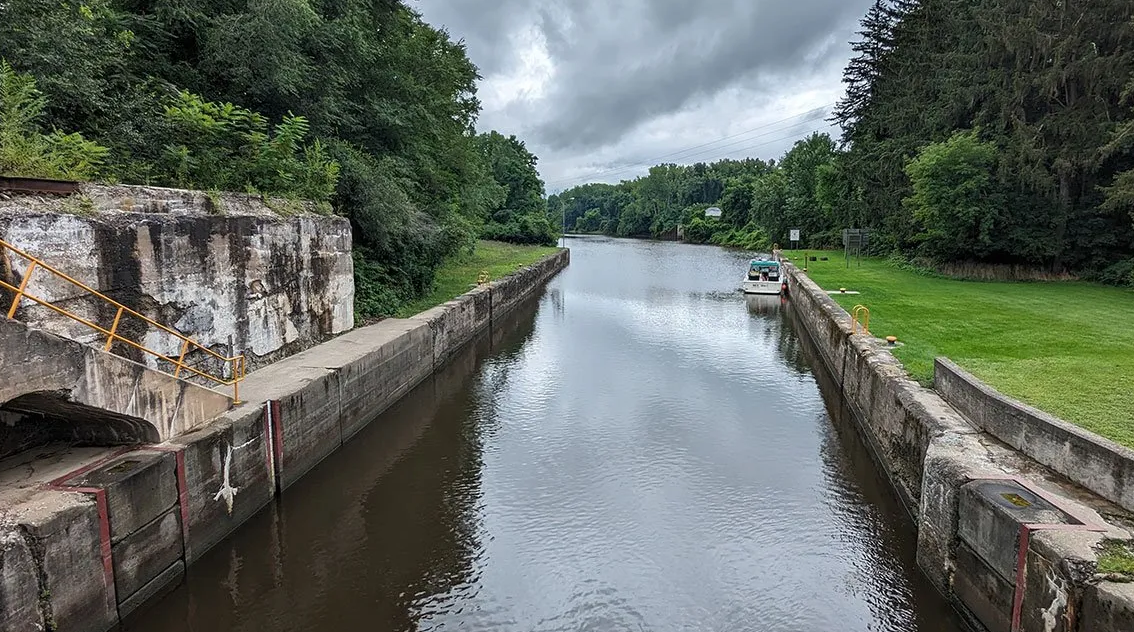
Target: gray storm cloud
{"type": "Point", "coordinates": [619, 64]}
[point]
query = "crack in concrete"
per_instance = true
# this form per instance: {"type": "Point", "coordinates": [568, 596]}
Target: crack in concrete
{"type": "Point", "coordinates": [38, 552]}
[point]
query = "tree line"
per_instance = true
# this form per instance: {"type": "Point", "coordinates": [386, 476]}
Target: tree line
{"type": "Point", "coordinates": [988, 131]}
{"type": "Point", "coordinates": [360, 106]}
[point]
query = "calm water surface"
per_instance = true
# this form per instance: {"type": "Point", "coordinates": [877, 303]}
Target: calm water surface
{"type": "Point", "coordinates": [645, 449]}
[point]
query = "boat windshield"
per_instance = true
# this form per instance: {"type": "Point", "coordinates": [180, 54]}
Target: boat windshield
{"type": "Point", "coordinates": [764, 270]}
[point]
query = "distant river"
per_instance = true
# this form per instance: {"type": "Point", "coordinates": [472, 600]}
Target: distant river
{"type": "Point", "coordinates": [645, 449]}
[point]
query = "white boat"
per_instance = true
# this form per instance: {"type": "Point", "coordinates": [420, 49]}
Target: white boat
{"type": "Point", "coordinates": [763, 277]}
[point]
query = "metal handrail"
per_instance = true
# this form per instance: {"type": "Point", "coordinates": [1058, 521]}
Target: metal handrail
{"type": "Point", "coordinates": [236, 363]}
{"type": "Point", "coordinates": [858, 312]}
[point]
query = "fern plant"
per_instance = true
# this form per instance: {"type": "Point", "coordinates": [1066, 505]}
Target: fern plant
{"type": "Point", "coordinates": [25, 150]}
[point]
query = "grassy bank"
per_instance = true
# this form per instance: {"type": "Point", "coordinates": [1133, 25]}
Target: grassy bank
{"type": "Point", "coordinates": [459, 275]}
{"type": "Point", "coordinates": [1066, 348]}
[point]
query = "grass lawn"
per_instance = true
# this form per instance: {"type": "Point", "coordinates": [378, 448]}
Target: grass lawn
{"type": "Point", "coordinates": [1064, 347]}
{"type": "Point", "coordinates": [459, 275]}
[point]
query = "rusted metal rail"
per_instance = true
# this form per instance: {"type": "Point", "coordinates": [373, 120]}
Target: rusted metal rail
{"type": "Point", "coordinates": [38, 185]}
{"type": "Point", "coordinates": [235, 365]}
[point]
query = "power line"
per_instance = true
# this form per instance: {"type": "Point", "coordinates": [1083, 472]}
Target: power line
{"type": "Point", "coordinates": [659, 159]}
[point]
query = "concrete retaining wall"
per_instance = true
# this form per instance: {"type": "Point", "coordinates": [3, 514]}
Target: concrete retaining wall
{"type": "Point", "coordinates": [1100, 465]}
{"type": "Point", "coordinates": [58, 388]}
{"type": "Point", "coordinates": [228, 270]}
{"type": "Point", "coordinates": [968, 544]}
{"type": "Point", "coordinates": [100, 541]}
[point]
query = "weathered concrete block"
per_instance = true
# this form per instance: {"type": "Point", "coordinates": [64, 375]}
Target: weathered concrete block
{"type": "Point", "coordinates": [991, 515]}
{"type": "Point", "coordinates": [274, 285]}
{"type": "Point", "coordinates": [982, 591]}
{"type": "Point", "coordinates": [19, 583]}
{"type": "Point", "coordinates": [139, 486]}
{"type": "Point", "coordinates": [146, 553]}
{"type": "Point", "coordinates": [951, 461]}
{"type": "Point", "coordinates": [1108, 607]}
{"type": "Point", "coordinates": [455, 323]}
{"type": "Point", "coordinates": [1060, 569]}
{"type": "Point", "coordinates": [66, 545]}
{"type": "Point", "coordinates": [229, 476]}
{"type": "Point", "coordinates": [1098, 464]}
{"type": "Point", "coordinates": [164, 582]}
{"type": "Point", "coordinates": [399, 356]}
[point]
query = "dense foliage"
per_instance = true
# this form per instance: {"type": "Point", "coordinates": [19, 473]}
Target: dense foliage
{"type": "Point", "coordinates": [360, 104]}
{"type": "Point", "coordinates": [986, 131]}
{"type": "Point", "coordinates": [520, 216]}
{"type": "Point", "coordinates": [759, 201]}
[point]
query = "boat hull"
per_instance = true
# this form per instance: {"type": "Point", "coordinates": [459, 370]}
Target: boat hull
{"type": "Point", "coordinates": [761, 287]}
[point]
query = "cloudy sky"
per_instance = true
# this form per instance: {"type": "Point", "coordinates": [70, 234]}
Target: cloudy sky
{"type": "Point", "coordinates": [602, 89]}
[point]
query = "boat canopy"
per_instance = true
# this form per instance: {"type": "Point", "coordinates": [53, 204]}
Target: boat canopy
{"type": "Point", "coordinates": [763, 264]}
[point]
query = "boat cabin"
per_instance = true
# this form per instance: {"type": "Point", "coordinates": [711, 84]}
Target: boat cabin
{"type": "Point", "coordinates": [763, 270]}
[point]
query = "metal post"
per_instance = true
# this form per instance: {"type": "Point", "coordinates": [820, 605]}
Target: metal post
{"type": "Point", "coordinates": [113, 330]}
{"type": "Point", "coordinates": [181, 358]}
{"type": "Point", "coordinates": [20, 292]}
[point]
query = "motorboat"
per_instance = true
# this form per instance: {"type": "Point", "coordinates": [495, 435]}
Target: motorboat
{"type": "Point", "coordinates": [763, 277]}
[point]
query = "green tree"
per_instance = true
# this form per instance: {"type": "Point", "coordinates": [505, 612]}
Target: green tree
{"type": "Point", "coordinates": [25, 150]}
{"type": "Point", "coordinates": [521, 216]}
{"type": "Point", "coordinates": [956, 199]}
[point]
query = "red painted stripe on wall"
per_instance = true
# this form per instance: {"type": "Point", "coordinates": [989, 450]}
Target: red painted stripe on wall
{"type": "Point", "coordinates": [277, 435]}
{"type": "Point", "coordinates": [269, 444]}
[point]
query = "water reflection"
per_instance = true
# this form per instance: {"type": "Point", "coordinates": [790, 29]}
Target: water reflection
{"type": "Point", "coordinates": [650, 450]}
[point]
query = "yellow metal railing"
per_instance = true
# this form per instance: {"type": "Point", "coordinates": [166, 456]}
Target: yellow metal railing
{"type": "Point", "coordinates": [860, 311]}
{"type": "Point", "coordinates": [234, 364]}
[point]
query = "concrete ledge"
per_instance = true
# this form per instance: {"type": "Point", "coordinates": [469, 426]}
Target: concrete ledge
{"type": "Point", "coordinates": [1098, 464]}
{"type": "Point", "coordinates": [1108, 607]}
{"type": "Point", "coordinates": [900, 419]}
{"type": "Point", "coordinates": [123, 402]}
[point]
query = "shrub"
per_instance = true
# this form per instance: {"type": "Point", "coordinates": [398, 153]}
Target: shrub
{"type": "Point", "coordinates": [226, 147]}
{"type": "Point", "coordinates": [25, 150]}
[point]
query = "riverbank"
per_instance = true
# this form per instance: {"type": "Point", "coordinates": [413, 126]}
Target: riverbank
{"type": "Point", "coordinates": [1064, 347]}
{"type": "Point", "coordinates": [87, 535]}
{"type": "Point", "coordinates": [460, 274]}
{"type": "Point", "coordinates": [1008, 540]}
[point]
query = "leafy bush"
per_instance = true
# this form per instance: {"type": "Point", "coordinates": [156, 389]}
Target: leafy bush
{"type": "Point", "coordinates": [751, 237]}
{"type": "Point", "coordinates": [524, 229]}
{"type": "Point", "coordinates": [226, 147]}
{"type": "Point", "coordinates": [699, 230]}
{"type": "Point", "coordinates": [25, 150]}
{"type": "Point", "coordinates": [1121, 273]}
{"type": "Point", "coordinates": [956, 199]}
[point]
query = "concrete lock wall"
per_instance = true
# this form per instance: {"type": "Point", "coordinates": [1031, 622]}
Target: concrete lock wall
{"type": "Point", "coordinates": [943, 467]}
{"type": "Point", "coordinates": [238, 274]}
{"type": "Point", "coordinates": [1100, 465]}
{"type": "Point", "coordinates": [98, 542]}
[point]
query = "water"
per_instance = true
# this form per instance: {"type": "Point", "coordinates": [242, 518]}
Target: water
{"type": "Point", "coordinates": [647, 450]}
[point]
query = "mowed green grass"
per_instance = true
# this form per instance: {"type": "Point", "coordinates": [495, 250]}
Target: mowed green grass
{"type": "Point", "coordinates": [1066, 347]}
{"type": "Point", "coordinates": [459, 275]}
